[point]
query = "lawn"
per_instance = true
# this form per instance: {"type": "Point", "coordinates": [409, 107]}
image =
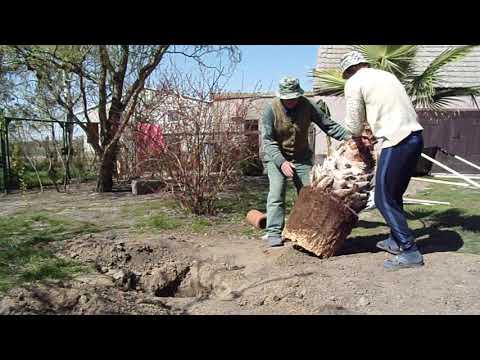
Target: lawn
{"type": "Point", "coordinates": [24, 256]}
{"type": "Point", "coordinates": [437, 228]}
{"type": "Point", "coordinates": [25, 236]}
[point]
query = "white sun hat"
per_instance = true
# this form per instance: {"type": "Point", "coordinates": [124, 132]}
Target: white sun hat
{"type": "Point", "coordinates": [350, 59]}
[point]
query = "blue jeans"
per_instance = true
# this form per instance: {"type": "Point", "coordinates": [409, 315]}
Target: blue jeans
{"type": "Point", "coordinates": [396, 166]}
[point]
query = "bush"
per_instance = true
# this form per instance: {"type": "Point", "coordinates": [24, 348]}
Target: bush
{"type": "Point", "coordinates": [42, 165]}
{"type": "Point", "coordinates": [17, 168]}
{"type": "Point", "coordinates": [251, 167]}
{"type": "Point", "coordinates": [201, 150]}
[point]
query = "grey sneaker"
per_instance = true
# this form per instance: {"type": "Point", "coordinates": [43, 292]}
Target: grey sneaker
{"type": "Point", "coordinates": [407, 259]}
{"type": "Point", "coordinates": [274, 241]}
{"type": "Point", "coordinates": [389, 245]}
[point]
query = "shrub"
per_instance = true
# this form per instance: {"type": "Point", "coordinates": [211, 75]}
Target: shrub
{"type": "Point", "coordinates": [251, 167]}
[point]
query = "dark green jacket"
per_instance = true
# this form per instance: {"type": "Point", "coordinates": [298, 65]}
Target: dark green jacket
{"type": "Point", "coordinates": [285, 132]}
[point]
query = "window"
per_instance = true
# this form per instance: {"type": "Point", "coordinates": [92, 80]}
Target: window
{"type": "Point", "coordinates": [236, 120]}
{"type": "Point", "coordinates": [251, 125]}
{"type": "Point", "coordinates": [173, 116]}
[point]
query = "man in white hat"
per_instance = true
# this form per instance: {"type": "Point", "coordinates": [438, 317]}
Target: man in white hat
{"type": "Point", "coordinates": [285, 125]}
{"type": "Point", "coordinates": [378, 97]}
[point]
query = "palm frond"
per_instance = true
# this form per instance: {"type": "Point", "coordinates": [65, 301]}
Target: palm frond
{"type": "Point", "coordinates": [443, 97]}
{"type": "Point", "coordinates": [328, 82]}
{"type": "Point", "coordinates": [449, 96]}
{"type": "Point", "coordinates": [424, 88]}
{"type": "Point", "coordinates": [474, 100]}
{"type": "Point", "coordinates": [439, 105]}
{"type": "Point", "coordinates": [460, 91]}
{"type": "Point", "coordinates": [397, 59]}
{"type": "Point", "coordinates": [431, 75]}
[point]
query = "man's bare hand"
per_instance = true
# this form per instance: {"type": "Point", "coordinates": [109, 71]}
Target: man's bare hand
{"type": "Point", "coordinates": [360, 143]}
{"type": "Point", "coordinates": [288, 168]}
{"type": "Point", "coordinates": [359, 149]}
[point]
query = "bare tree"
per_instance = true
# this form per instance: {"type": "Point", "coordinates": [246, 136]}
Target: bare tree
{"type": "Point", "coordinates": [107, 83]}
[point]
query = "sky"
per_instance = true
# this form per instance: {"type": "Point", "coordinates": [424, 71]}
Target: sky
{"type": "Point", "coordinates": [262, 66]}
{"type": "Point", "coordinates": [266, 64]}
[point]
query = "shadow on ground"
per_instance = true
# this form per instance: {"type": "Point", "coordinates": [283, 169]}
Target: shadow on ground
{"type": "Point", "coordinates": [432, 240]}
{"type": "Point", "coordinates": [436, 235]}
{"type": "Point", "coordinates": [433, 237]}
{"type": "Point", "coordinates": [370, 224]}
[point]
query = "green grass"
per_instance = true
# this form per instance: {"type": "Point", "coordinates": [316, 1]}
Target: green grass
{"type": "Point", "coordinates": [159, 221]}
{"type": "Point", "coordinates": [151, 215]}
{"type": "Point", "coordinates": [162, 221]}
{"type": "Point", "coordinates": [2, 185]}
{"type": "Point", "coordinates": [200, 225]}
{"type": "Point", "coordinates": [243, 201]}
{"type": "Point", "coordinates": [156, 215]}
{"type": "Point", "coordinates": [437, 228]}
{"type": "Point", "coordinates": [24, 237]}
{"type": "Point", "coordinates": [250, 231]}
{"type": "Point", "coordinates": [166, 214]}
{"type": "Point", "coordinates": [251, 197]}
{"type": "Point", "coordinates": [147, 207]}
{"type": "Point", "coordinates": [31, 180]}
{"type": "Point", "coordinates": [24, 256]}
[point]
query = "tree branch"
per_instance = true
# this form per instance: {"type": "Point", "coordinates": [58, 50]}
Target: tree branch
{"type": "Point", "coordinates": [105, 58]}
{"type": "Point", "coordinates": [145, 72]}
{"type": "Point", "coordinates": [102, 94]}
{"type": "Point", "coordinates": [84, 100]}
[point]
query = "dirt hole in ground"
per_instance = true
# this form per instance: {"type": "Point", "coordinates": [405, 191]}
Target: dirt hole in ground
{"type": "Point", "coordinates": [170, 289]}
{"type": "Point", "coordinates": [186, 280]}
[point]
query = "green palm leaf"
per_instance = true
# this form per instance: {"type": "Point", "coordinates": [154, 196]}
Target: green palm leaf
{"type": "Point", "coordinates": [448, 96]}
{"type": "Point", "coordinates": [431, 73]}
{"type": "Point", "coordinates": [397, 59]}
{"type": "Point", "coordinates": [328, 82]}
{"type": "Point", "coordinates": [422, 87]}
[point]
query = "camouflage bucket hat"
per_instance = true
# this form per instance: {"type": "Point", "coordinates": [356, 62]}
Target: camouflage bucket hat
{"type": "Point", "coordinates": [350, 59]}
{"type": "Point", "coordinates": [289, 88]}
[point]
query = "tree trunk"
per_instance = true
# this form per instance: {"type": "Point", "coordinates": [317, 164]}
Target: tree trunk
{"type": "Point", "coordinates": [69, 154]}
{"type": "Point", "coordinates": [319, 222]}
{"type": "Point", "coordinates": [110, 149]}
{"type": "Point", "coordinates": [326, 211]}
{"type": "Point", "coordinates": [105, 171]}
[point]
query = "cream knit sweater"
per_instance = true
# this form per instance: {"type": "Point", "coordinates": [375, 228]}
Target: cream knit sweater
{"type": "Point", "coordinates": [379, 97]}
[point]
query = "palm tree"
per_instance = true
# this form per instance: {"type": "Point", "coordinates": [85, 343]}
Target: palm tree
{"type": "Point", "coordinates": [333, 179]}
{"type": "Point", "coordinates": [425, 88]}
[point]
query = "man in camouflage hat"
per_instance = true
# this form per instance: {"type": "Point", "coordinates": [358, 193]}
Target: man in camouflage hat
{"type": "Point", "coordinates": [378, 97]}
{"type": "Point", "coordinates": [285, 125]}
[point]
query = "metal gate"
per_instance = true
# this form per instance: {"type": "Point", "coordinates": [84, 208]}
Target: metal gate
{"type": "Point", "coordinates": [458, 132]}
{"type": "Point", "coordinates": [5, 146]}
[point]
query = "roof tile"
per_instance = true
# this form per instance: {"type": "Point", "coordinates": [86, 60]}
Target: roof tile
{"type": "Point", "coordinates": [465, 72]}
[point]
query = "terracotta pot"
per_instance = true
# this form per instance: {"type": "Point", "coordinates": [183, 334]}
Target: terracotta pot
{"type": "Point", "coordinates": [257, 219]}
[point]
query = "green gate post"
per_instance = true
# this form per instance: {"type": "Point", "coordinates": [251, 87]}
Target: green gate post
{"type": "Point", "coordinates": [7, 141]}
{"type": "Point", "coordinates": [3, 127]}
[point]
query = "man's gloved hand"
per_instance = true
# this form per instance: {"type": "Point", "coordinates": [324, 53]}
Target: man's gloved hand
{"type": "Point", "coordinates": [288, 168]}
